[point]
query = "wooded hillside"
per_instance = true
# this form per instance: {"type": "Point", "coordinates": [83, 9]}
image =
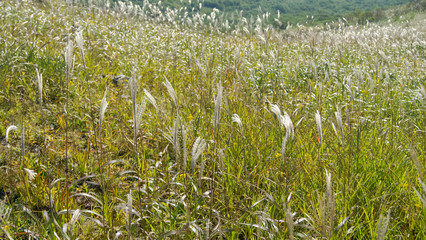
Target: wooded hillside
{"type": "Point", "coordinates": [293, 11]}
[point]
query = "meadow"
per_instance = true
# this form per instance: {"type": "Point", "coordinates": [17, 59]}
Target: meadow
{"type": "Point", "coordinates": [126, 122]}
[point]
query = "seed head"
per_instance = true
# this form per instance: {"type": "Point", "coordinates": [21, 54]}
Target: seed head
{"type": "Point", "coordinates": [8, 129]}
{"type": "Point", "coordinates": [104, 105]}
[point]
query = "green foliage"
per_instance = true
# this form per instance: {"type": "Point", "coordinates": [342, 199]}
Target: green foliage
{"type": "Point", "coordinates": [294, 11]}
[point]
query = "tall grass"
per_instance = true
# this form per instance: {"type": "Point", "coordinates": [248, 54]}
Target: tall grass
{"type": "Point", "coordinates": [261, 133]}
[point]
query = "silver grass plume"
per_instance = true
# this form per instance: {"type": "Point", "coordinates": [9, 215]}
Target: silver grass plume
{"type": "Point", "coordinates": [328, 183]}
{"type": "Point", "coordinates": [140, 109]}
{"type": "Point", "coordinates": [276, 110]}
{"type": "Point", "coordinates": [80, 42]}
{"type": "Point", "coordinates": [31, 174]}
{"type": "Point", "coordinates": [197, 149]}
{"type": "Point", "coordinates": [172, 94]}
{"type": "Point", "coordinates": [335, 131]}
{"type": "Point", "coordinates": [151, 99]}
{"type": "Point", "coordinates": [40, 86]}
{"type": "Point", "coordinates": [382, 226]}
{"type": "Point", "coordinates": [298, 123]}
{"type": "Point", "coordinates": [8, 129]}
{"type": "Point", "coordinates": [217, 105]}
{"type": "Point", "coordinates": [235, 118]}
{"type": "Point", "coordinates": [284, 120]}
{"type": "Point", "coordinates": [319, 125]}
{"type": "Point", "coordinates": [288, 124]}
{"type": "Point", "coordinates": [171, 91]}
{"type": "Point", "coordinates": [133, 85]}
{"type": "Point", "coordinates": [68, 59]}
{"type": "Point", "coordinates": [290, 222]}
{"type": "Point", "coordinates": [283, 144]}
{"type": "Point", "coordinates": [338, 115]}
{"type": "Point", "coordinates": [104, 105]}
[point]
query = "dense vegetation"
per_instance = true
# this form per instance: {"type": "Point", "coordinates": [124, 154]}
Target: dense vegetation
{"type": "Point", "coordinates": [218, 132]}
{"type": "Point", "coordinates": [292, 11]}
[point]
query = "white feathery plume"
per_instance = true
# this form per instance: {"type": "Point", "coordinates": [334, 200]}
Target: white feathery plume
{"type": "Point", "coordinates": [151, 99]}
{"type": "Point", "coordinates": [338, 115]}
{"type": "Point", "coordinates": [80, 43]}
{"type": "Point", "coordinates": [133, 85]}
{"type": "Point", "coordinates": [382, 226]}
{"type": "Point", "coordinates": [335, 131]}
{"type": "Point", "coordinates": [104, 105]}
{"type": "Point", "coordinates": [140, 109]}
{"type": "Point", "coordinates": [290, 222]}
{"type": "Point", "coordinates": [283, 144]}
{"type": "Point", "coordinates": [319, 125]}
{"type": "Point", "coordinates": [171, 91]}
{"type": "Point", "coordinates": [197, 149]}
{"type": "Point", "coordinates": [288, 124]}
{"type": "Point", "coordinates": [8, 129]}
{"type": "Point", "coordinates": [298, 122]}
{"type": "Point", "coordinates": [276, 110]}
{"type": "Point", "coordinates": [284, 120]}
{"type": "Point", "coordinates": [328, 182]}
{"type": "Point", "coordinates": [235, 118]}
{"type": "Point", "coordinates": [31, 174]}
{"type": "Point", "coordinates": [40, 86]}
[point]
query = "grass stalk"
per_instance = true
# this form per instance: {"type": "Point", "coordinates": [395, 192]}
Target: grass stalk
{"type": "Point", "coordinates": [68, 65]}
{"type": "Point", "coordinates": [103, 107]}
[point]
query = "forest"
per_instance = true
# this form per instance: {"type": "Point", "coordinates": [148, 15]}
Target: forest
{"type": "Point", "coordinates": [291, 11]}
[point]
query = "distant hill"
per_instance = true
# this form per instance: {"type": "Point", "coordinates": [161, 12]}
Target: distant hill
{"type": "Point", "coordinates": [293, 11]}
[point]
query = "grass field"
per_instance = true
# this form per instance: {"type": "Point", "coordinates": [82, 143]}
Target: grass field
{"type": "Point", "coordinates": [218, 132]}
